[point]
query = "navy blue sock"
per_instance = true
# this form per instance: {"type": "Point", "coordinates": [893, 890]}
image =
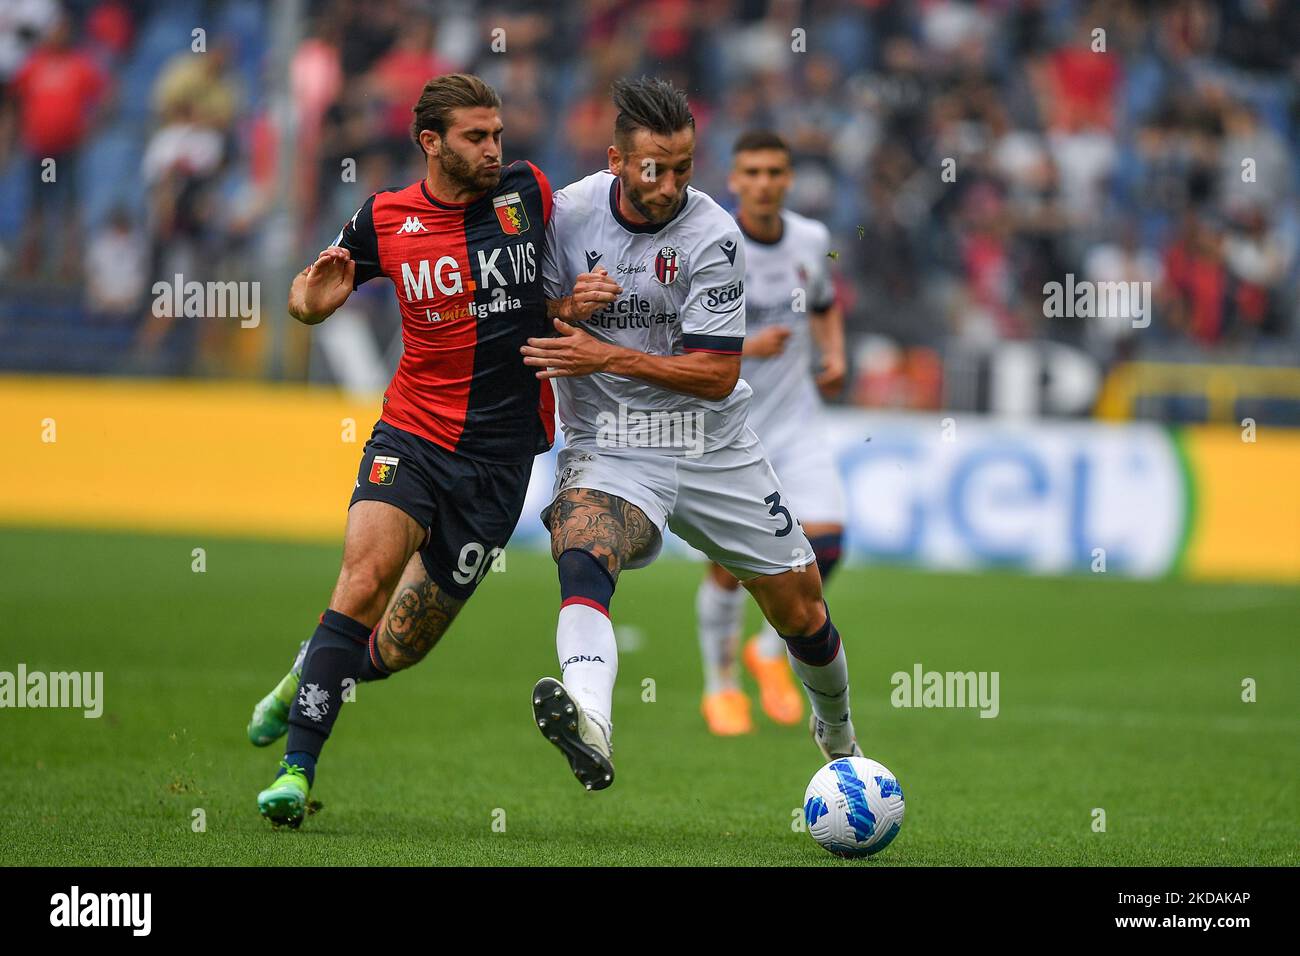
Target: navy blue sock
{"type": "Point", "coordinates": [302, 759]}
{"type": "Point", "coordinates": [373, 668]}
{"type": "Point", "coordinates": [339, 651]}
{"type": "Point", "coordinates": [584, 580]}
{"type": "Point", "coordinates": [827, 549]}
{"type": "Point", "coordinates": [817, 649]}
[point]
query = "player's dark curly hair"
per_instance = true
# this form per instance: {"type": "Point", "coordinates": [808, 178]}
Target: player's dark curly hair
{"type": "Point", "coordinates": [649, 103]}
{"type": "Point", "coordinates": [445, 93]}
{"type": "Point", "coordinates": [759, 139]}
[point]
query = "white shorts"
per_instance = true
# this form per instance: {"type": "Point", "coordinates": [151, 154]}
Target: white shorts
{"type": "Point", "coordinates": [727, 503]}
{"type": "Point", "coordinates": [800, 454]}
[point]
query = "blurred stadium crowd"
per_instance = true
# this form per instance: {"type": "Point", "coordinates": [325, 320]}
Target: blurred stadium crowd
{"type": "Point", "coordinates": [1060, 158]}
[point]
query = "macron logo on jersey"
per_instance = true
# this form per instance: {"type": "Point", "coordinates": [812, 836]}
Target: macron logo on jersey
{"type": "Point", "coordinates": [729, 250]}
{"type": "Point", "coordinates": [412, 224]}
{"type": "Point", "coordinates": [592, 258]}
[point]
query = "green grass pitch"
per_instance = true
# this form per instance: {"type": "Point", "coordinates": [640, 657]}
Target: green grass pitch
{"type": "Point", "coordinates": [1119, 695]}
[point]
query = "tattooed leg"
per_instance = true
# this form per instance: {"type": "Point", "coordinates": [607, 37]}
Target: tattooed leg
{"type": "Point", "coordinates": [417, 617]}
{"type": "Point", "coordinates": [593, 536]}
{"type": "Point", "coordinates": [610, 529]}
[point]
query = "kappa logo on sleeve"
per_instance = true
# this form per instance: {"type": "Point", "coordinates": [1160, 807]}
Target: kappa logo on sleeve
{"type": "Point", "coordinates": [383, 470]}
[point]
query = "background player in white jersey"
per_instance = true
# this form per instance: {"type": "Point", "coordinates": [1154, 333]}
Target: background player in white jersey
{"type": "Point", "coordinates": [653, 408]}
{"type": "Point", "coordinates": [789, 308]}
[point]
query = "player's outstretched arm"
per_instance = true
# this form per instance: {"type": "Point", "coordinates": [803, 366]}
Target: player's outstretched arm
{"type": "Point", "coordinates": [705, 375]}
{"type": "Point", "coordinates": [323, 286]}
{"type": "Point", "coordinates": [708, 375]}
{"type": "Point", "coordinates": [828, 331]}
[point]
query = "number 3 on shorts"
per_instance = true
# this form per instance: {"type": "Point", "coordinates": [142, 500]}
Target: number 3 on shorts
{"type": "Point", "coordinates": [779, 511]}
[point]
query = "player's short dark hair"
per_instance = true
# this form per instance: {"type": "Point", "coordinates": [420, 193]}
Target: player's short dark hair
{"type": "Point", "coordinates": [755, 139]}
{"type": "Point", "coordinates": [651, 104]}
{"type": "Point", "coordinates": [445, 93]}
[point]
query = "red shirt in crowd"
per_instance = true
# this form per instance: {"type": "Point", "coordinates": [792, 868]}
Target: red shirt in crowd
{"type": "Point", "coordinates": [57, 91]}
{"type": "Point", "coordinates": [1200, 281]}
{"type": "Point", "coordinates": [1085, 84]}
{"type": "Point", "coordinates": [401, 74]}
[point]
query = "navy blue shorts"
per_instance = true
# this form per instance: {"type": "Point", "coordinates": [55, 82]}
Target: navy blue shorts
{"type": "Point", "coordinates": [469, 508]}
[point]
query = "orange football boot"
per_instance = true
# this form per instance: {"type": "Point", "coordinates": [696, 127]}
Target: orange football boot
{"type": "Point", "coordinates": [727, 713]}
{"type": "Point", "coordinates": [781, 699]}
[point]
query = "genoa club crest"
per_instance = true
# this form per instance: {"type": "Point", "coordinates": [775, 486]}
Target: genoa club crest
{"type": "Point", "coordinates": [511, 214]}
{"type": "Point", "coordinates": [383, 470]}
{"type": "Point", "coordinates": [666, 265]}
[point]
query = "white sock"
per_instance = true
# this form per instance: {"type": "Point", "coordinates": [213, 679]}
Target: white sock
{"type": "Point", "coordinates": [719, 614]}
{"type": "Point", "coordinates": [584, 639]}
{"type": "Point", "coordinates": [827, 687]}
{"type": "Point", "coordinates": [769, 642]}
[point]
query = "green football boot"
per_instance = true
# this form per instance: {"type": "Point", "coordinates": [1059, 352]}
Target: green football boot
{"type": "Point", "coordinates": [284, 802]}
{"type": "Point", "coordinates": [270, 720]}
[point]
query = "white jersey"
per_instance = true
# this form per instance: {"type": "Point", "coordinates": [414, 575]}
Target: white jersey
{"type": "Point", "coordinates": [683, 290]}
{"type": "Point", "coordinates": [778, 274]}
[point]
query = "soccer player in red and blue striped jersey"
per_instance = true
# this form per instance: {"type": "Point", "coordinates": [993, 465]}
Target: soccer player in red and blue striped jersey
{"type": "Point", "coordinates": [444, 474]}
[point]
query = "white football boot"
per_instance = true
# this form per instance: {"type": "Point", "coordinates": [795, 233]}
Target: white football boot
{"type": "Point", "coordinates": [583, 740]}
{"type": "Point", "coordinates": [835, 740]}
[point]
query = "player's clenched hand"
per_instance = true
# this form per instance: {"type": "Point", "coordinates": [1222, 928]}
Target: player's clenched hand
{"type": "Point", "coordinates": [572, 352]}
{"type": "Point", "coordinates": [592, 291]}
{"type": "Point", "coordinates": [830, 380]}
{"type": "Point", "coordinates": [329, 281]}
{"type": "Point", "coordinates": [768, 342]}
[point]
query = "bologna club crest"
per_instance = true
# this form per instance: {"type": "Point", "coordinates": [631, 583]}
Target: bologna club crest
{"type": "Point", "coordinates": [511, 214]}
{"type": "Point", "coordinates": [383, 470]}
{"type": "Point", "coordinates": [666, 265]}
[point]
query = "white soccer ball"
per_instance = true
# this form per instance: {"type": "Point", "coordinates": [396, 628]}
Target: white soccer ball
{"type": "Point", "coordinates": [853, 807]}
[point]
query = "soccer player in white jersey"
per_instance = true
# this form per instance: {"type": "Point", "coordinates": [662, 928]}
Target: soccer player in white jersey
{"type": "Point", "coordinates": [789, 308]}
{"type": "Point", "coordinates": [648, 281]}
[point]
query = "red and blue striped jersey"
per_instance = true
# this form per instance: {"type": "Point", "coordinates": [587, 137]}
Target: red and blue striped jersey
{"type": "Point", "coordinates": [468, 279]}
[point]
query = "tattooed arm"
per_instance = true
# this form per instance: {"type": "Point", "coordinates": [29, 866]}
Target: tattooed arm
{"type": "Point", "coordinates": [612, 530]}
